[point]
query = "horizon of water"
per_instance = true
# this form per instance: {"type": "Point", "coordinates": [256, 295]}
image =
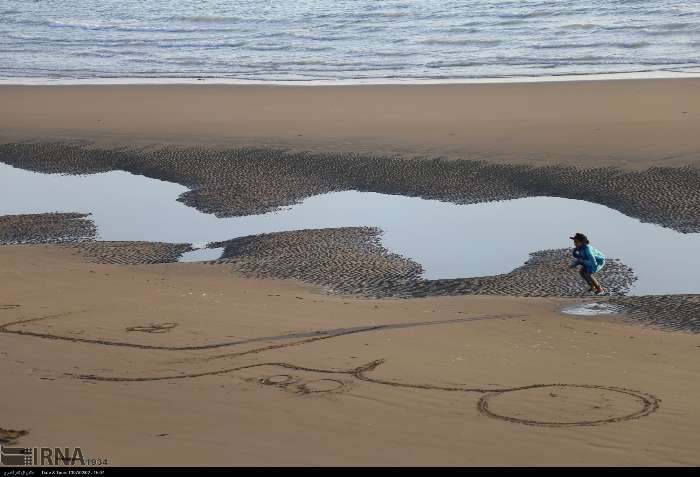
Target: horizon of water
{"type": "Point", "coordinates": [448, 240]}
{"type": "Point", "coordinates": [345, 41]}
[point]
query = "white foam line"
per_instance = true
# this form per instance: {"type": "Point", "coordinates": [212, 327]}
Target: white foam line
{"type": "Point", "coordinates": [18, 81]}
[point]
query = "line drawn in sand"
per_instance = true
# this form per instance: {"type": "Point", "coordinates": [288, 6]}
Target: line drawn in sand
{"type": "Point", "coordinates": [153, 328]}
{"type": "Point", "coordinates": [596, 399]}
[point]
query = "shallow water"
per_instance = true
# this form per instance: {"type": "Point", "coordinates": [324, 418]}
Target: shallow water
{"type": "Point", "coordinates": [592, 309]}
{"type": "Point", "coordinates": [351, 40]}
{"type": "Point", "coordinates": [448, 240]}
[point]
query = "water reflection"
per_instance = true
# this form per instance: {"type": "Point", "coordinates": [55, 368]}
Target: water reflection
{"type": "Point", "coordinates": [449, 240]}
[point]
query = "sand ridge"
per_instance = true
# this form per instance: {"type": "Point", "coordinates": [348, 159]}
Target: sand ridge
{"type": "Point", "coordinates": [352, 261]}
{"type": "Point", "coordinates": [46, 228]}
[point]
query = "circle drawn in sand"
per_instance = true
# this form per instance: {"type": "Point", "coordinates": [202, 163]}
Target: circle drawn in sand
{"type": "Point", "coordinates": [277, 380]}
{"type": "Point", "coordinates": [321, 386]}
{"type": "Point", "coordinates": [592, 309]}
{"type": "Point", "coordinates": [567, 405]}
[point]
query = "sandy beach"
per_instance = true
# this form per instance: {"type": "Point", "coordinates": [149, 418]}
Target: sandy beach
{"type": "Point", "coordinates": [317, 347]}
{"type": "Point", "coordinates": [625, 123]}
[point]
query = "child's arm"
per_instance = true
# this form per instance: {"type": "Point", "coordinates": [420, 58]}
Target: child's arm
{"type": "Point", "coordinates": [577, 259]}
{"type": "Point", "coordinates": [587, 259]}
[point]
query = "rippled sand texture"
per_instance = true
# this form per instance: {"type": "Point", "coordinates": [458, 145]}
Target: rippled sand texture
{"type": "Point", "coordinates": [46, 228]}
{"type": "Point", "coordinates": [352, 261]}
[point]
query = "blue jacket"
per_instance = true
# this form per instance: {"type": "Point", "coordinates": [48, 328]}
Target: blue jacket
{"type": "Point", "coordinates": [590, 257]}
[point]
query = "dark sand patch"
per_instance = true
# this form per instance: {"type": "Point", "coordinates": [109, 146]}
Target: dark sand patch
{"type": "Point", "coordinates": [78, 233]}
{"type": "Point", "coordinates": [130, 253]}
{"type": "Point", "coordinates": [244, 181]}
{"type": "Point", "coordinates": [10, 436]}
{"type": "Point", "coordinates": [46, 228]}
{"type": "Point", "coordinates": [667, 312]}
{"type": "Point", "coordinates": [352, 261]}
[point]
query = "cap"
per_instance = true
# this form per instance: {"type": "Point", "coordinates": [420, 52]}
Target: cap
{"type": "Point", "coordinates": [580, 237]}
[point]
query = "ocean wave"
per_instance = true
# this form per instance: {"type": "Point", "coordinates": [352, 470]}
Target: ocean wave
{"type": "Point", "coordinates": [672, 31]}
{"type": "Point", "coordinates": [393, 53]}
{"type": "Point", "coordinates": [631, 45]}
{"type": "Point", "coordinates": [452, 64]}
{"type": "Point", "coordinates": [323, 37]}
{"type": "Point", "coordinates": [449, 42]}
{"type": "Point", "coordinates": [382, 14]}
{"type": "Point", "coordinates": [575, 46]}
{"type": "Point", "coordinates": [116, 27]}
{"type": "Point", "coordinates": [95, 54]}
{"type": "Point", "coordinates": [460, 29]}
{"type": "Point", "coordinates": [362, 38]}
{"type": "Point", "coordinates": [209, 19]}
{"type": "Point", "coordinates": [582, 26]}
{"type": "Point", "coordinates": [270, 47]}
{"type": "Point", "coordinates": [368, 28]}
{"type": "Point", "coordinates": [677, 26]}
{"type": "Point", "coordinates": [188, 61]}
{"type": "Point", "coordinates": [514, 21]}
{"type": "Point", "coordinates": [534, 14]}
{"type": "Point", "coordinates": [205, 44]}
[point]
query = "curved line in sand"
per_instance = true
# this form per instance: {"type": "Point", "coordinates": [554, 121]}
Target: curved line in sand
{"type": "Point", "coordinates": [649, 403]}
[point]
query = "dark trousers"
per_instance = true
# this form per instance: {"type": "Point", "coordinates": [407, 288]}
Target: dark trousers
{"type": "Point", "coordinates": [586, 275]}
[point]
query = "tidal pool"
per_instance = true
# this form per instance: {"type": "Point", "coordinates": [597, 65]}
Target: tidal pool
{"type": "Point", "coordinates": [448, 240]}
{"type": "Point", "coordinates": [592, 309]}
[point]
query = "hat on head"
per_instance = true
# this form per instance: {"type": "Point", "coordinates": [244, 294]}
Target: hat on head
{"type": "Point", "coordinates": [580, 237]}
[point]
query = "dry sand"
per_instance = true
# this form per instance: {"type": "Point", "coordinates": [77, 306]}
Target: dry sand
{"type": "Point", "coordinates": [189, 364]}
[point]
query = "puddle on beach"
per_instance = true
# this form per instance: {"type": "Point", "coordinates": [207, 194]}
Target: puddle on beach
{"type": "Point", "coordinates": [592, 309]}
{"type": "Point", "coordinates": [448, 240]}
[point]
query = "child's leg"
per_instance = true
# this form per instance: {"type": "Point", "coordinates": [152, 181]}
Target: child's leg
{"type": "Point", "coordinates": [587, 276]}
{"type": "Point", "coordinates": [595, 284]}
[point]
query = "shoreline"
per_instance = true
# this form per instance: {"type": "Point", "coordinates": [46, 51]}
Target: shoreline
{"type": "Point", "coordinates": [505, 79]}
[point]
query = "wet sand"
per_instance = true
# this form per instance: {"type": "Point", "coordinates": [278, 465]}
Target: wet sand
{"type": "Point", "coordinates": [244, 181]}
{"type": "Point", "coordinates": [233, 366]}
{"type": "Point", "coordinates": [624, 123]}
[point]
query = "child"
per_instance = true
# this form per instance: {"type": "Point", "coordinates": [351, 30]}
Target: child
{"type": "Point", "coordinates": [590, 259]}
